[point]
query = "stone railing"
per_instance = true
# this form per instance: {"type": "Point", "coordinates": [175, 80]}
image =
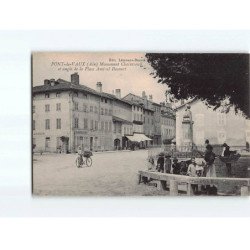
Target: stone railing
{"type": "Point", "coordinates": [171, 181]}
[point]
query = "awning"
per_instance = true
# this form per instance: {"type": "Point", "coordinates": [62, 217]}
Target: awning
{"type": "Point", "coordinates": [138, 137]}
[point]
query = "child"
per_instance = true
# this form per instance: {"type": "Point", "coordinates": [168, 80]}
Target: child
{"type": "Point", "coordinates": [150, 163]}
{"type": "Point", "coordinates": [192, 172]}
{"type": "Point", "coordinates": [80, 152]}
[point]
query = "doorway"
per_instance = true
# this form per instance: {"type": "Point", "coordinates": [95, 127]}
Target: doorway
{"type": "Point", "coordinates": [91, 144]}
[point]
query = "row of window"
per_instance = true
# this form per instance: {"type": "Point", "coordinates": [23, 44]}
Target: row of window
{"type": "Point", "coordinates": [47, 124]}
{"type": "Point", "coordinates": [137, 108]}
{"type": "Point", "coordinates": [47, 95]}
{"type": "Point", "coordinates": [92, 109]}
{"type": "Point", "coordinates": [148, 113]}
{"type": "Point", "coordinates": [148, 120]}
{"type": "Point", "coordinates": [58, 94]}
{"type": "Point", "coordinates": [76, 94]}
{"type": "Point", "coordinates": [168, 122]}
{"type": "Point", "coordinates": [169, 132]}
{"type": "Point", "coordinates": [94, 125]}
{"type": "Point", "coordinates": [138, 117]}
{"type": "Point", "coordinates": [47, 107]}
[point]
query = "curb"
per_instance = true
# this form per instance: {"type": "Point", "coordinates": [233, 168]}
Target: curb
{"type": "Point", "coordinates": [115, 151]}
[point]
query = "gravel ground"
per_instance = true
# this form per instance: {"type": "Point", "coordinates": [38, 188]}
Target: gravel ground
{"type": "Point", "coordinates": [112, 174]}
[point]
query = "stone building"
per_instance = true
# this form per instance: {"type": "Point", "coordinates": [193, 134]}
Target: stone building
{"type": "Point", "coordinates": [67, 114]}
{"type": "Point", "coordinates": [167, 123]}
{"type": "Point", "coordinates": [148, 109]}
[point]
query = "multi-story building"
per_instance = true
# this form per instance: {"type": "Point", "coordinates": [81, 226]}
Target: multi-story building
{"type": "Point", "coordinates": [167, 123]}
{"type": "Point", "coordinates": [122, 120]}
{"type": "Point", "coordinates": [149, 108]}
{"type": "Point", "coordinates": [67, 115]}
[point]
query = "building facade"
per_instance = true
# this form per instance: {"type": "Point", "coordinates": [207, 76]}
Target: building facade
{"type": "Point", "coordinates": [151, 116]}
{"type": "Point", "coordinates": [67, 115]}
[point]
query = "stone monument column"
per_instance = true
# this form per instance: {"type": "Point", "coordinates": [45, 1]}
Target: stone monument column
{"type": "Point", "coordinates": [187, 129]}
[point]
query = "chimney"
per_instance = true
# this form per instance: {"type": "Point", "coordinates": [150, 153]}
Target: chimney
{"type": "Point", "coordinates": [52, 82]}
{"type": "Point", "coordinates": [46, 82]}
{"type": "Point", "coordinates": [99, 87]}
{"type": "Point", "coordinates": [151, 97]}
{"type": "Point", "coordinates": [143, 94]}
{"type": "Point", "coordinates": [118, 93]}
{"type": "Point", "coordinates": [75, 78]}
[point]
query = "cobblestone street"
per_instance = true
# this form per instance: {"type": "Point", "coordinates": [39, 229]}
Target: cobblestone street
{"type": "Point", "coordinates": [112, 174]}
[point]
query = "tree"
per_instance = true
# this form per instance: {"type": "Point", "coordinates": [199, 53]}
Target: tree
{"type": "Point", "coordinates": [213, 78]}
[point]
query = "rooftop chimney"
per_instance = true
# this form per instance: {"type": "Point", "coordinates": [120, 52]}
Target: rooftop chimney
{"type": "Point", "coordinates": [150, 97]}
{"type": "Point", "coordinates": [46, 82]}
{"type": "Point", "coordinates": [75, 78]}
{"type": "Point", "coordinates": [118, 93]}
{"type": "Point", "coordinates": [143, 94]}
{"type": "Point", "coordinates": [52, 82]}
{"type": "Point", "coordinates": [99, 87]}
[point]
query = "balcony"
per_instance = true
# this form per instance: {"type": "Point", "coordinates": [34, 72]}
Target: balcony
{"type": "Point", "coordinates": [138, 122]}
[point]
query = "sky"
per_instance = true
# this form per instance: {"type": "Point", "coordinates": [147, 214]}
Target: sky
{"type": "Point", "coordinates": [108, 68]}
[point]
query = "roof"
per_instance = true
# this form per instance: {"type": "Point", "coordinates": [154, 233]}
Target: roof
{"type": "Point", "coordinates": [118, 119]}
{"type": "Point", "coordinates": [154, 103]}
{"type": "Point", "coordinates": [65, 85]}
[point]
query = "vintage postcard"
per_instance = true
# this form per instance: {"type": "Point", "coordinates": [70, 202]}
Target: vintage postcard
{"type": "Point", "coordinates": [140, 124]}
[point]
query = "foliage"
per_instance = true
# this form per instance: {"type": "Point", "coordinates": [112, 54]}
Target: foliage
{"type": "Point", "coordinates": [212, 78]}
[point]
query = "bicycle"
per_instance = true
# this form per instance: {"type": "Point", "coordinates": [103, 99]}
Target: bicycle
{"type": "Point", "coordinates": [86, 161]}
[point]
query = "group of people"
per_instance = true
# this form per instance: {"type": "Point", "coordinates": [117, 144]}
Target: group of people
{"type": "Point", "coordinates": [193, 167]}
{"type": "Point", "coordinates": [196, 167]}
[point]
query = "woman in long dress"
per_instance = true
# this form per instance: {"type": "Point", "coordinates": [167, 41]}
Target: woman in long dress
{"type": "Point", "coordinates": [209, 158]}
{"type": "Point", "coordinates": [210, 169]}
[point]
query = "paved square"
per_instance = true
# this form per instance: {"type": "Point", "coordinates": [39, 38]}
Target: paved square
{"type": "Point", "coordinates": [112, 174]}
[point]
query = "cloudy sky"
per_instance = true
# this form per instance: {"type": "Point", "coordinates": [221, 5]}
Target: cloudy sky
{"type": "Point", "coordinates": [134, 77]}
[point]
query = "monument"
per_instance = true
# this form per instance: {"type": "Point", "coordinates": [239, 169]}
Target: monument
{"type": "Point", "coordinates": [187, 129]}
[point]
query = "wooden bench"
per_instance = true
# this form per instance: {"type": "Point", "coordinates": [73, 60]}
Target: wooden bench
{"type": "Point", "coordinates": [173, 181]}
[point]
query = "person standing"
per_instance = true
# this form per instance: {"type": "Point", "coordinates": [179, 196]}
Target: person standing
{"type": "Point", "coordinates": [210, 170]}
{"type": "Point", "coordinates": [160, 163]}
{"type": "Point", "coordinates": [176, 167]}
{"type": "Point", "coordinates": [227, 154]}
{"type": "Point", "coordinates": [209, 159]}
{"type": "Point", "coordinates": [167, 164]}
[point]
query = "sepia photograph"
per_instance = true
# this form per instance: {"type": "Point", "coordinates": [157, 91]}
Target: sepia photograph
{"type": "Point", "coordinates": [140, 124]}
